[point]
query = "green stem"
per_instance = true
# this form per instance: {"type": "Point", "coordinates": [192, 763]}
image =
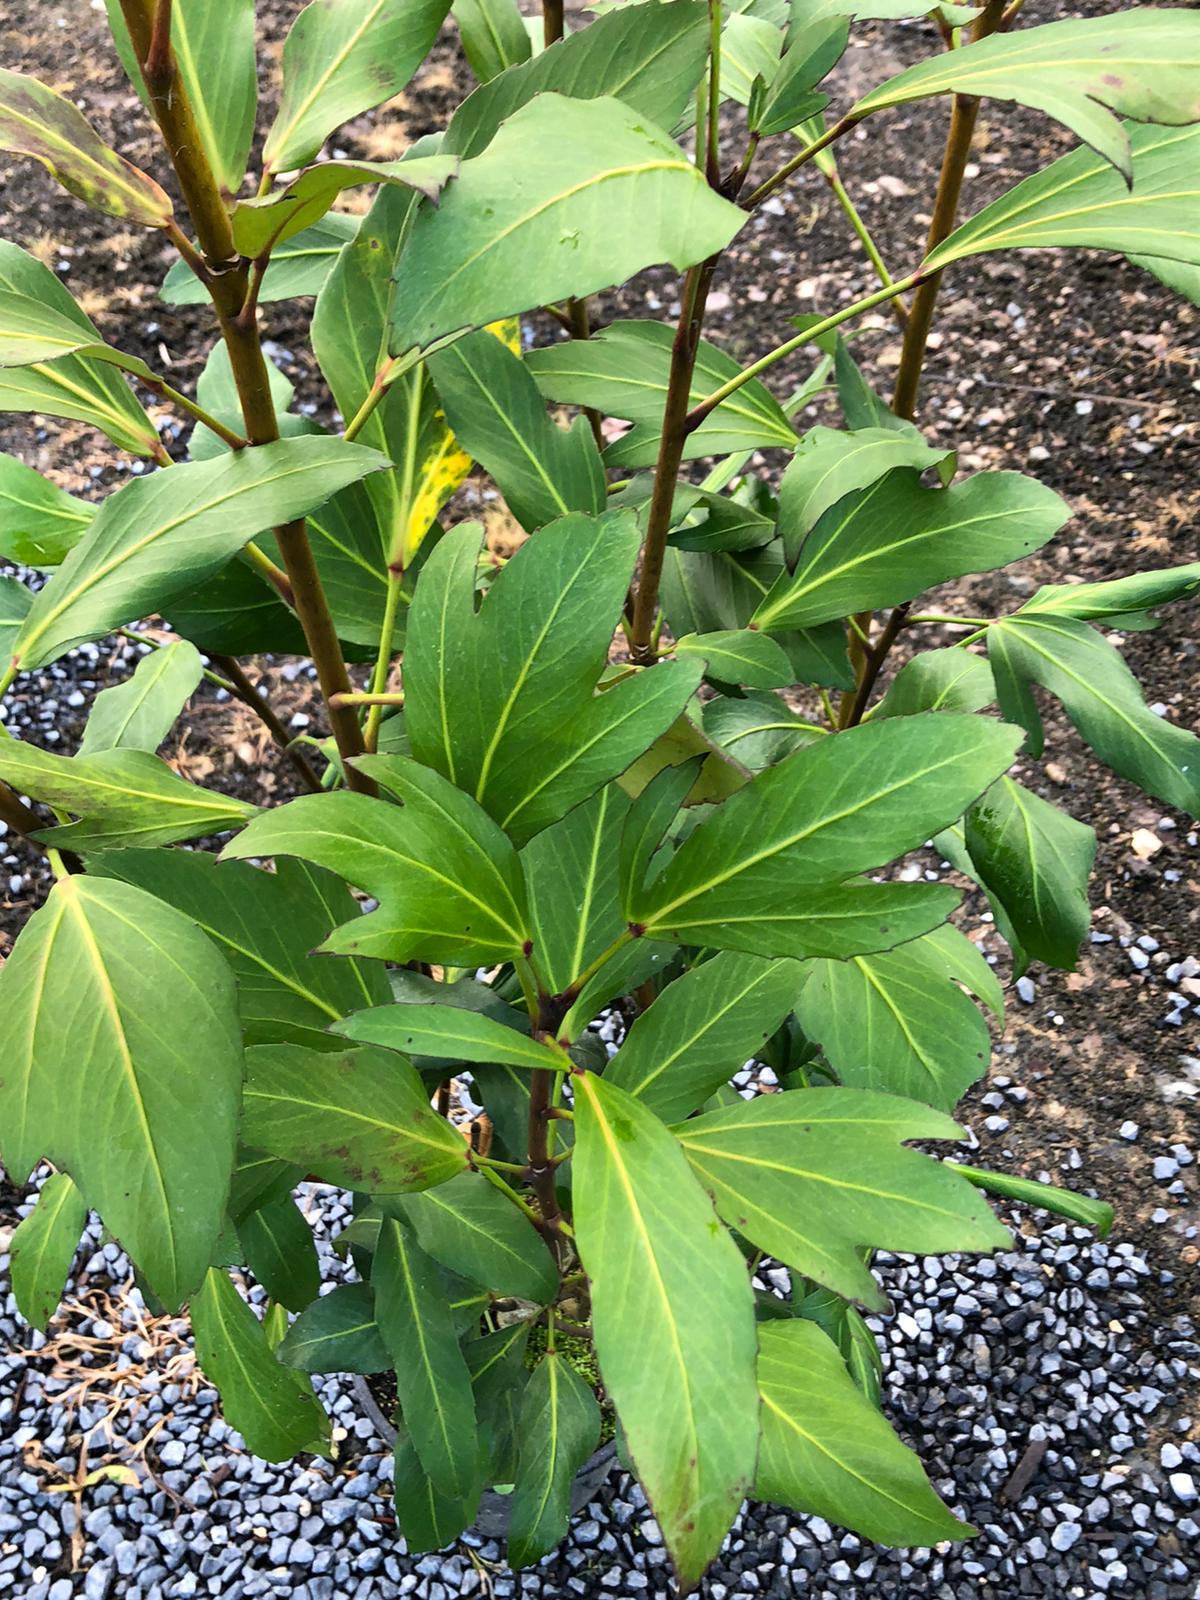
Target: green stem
{"type": "Point", "coordinates": [710, 402]}
{"type": "Point", "coordinates": [769, 185]}
{"type": "Point", "coordinates": [866, 239]}
{"type": "Point", "coordinates": [370, 698]}
{"type": "Point", "coordinates": [952, 622]}
{"type": "Point", "coordinates": [167, 391]}
{"type": "Point", "coordinates": [379, 697]}
{"type": "Point", "coordinates": [712, 153]}
{"type": "Point", "coordinates": [494, 1178]}
{"type": "Point", "coordinates": [577, 985]}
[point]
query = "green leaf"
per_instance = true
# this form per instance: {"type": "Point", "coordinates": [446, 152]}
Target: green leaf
{"type": "Point", "coordinates": [571, 874]}
{"type": "Point", "coordinates": [1122, 598]}
{"type": "Point", "coordinates": [578, 163]}
{"type": "Point", "coordinates": [281, 1252]}
{"type": "Point", "coordinates": [43, 1249]}
{"type": "Point", "coordinates": [73, 387]}
{"type": "Point", "coordinates": [649, 56]}
{"type": "Point", "coordinates": [1101, 697]}
{"type": "Point", "coordinates": [939, 680]}
{"type": "Point", "coordinates": [266, 925]}
{"type": "Point", "coordinates": [431, 1374]}
{"type": "Point", "coordinates": [814, 1175]}
{"type": "Point", "coordinates": [790, 97]}
{"type": "Point", "coordinates": [259, 1397]}
{"type": "Point", "coordinates": [1081, 200]}
{"type": "Point", "coordinates": [337, 1333]}
{"type": "Point", "coordinates": [139, 713]}
{"type": "Point", "coordinates": [1143, 64]}
{"type": "Point", "coordinates": [898, 1021]}
{"type": "Point", "coordinates": [750, 50]}
{"type": "Point", "coordinates": [891, 541]}
{"type": "Point", "coordinates": [213, 41]}
{"type": "Point", "coordinates": [503, 700]}
{"type": "Point", "coordinates": [476, 1231]}
{"type": "Point", "coordinates": [39, 522]}
{"type": "Point", "coordinates": [449, 1033]}
{"type": "Point", "coordinates": [702, 1028]}
{"type": "Point", "coordinates": [673, 1319]}
{"type": "Point", "coordinates": [257, 1180]}
{"type": "Point", "coordinates": [262, 223]}
{"type": "Point", "coordinates": [447, 880]}
{"type": "Point", "coordinates": [1036, 860]}
{"type": "Point", "coordinates": [623, 372]}
{"type": "Point", "coordinates": [361, 1118]}
{"type": "Point", "coordinates": [557, 1431]}
{"type": "Point", "coordinates": [123, 1061]}
{"type": "Point", "coordinates": [340, 60]}
{"type": "Point", "coordinates": [702, 593]}
{"type": "Point", "coordinates": [15, 601]}
{"type": "Point", "coordinates": [861, 406]}
{"type": "Point", "coordinates": [350, 331]}
{"type": "Point", "coordinates": [739, 656]}
{"type": "Point", "coordinates": [159, 535]}
{"type": "Point", "coordinates": [31, 332]}
{"type": "Point", "coordinates": [36, 122]}
{"type": "Point", "coordinates": [299, 266]}
{"type": "Point", "coordinates": [497, 1365]}
{"type": "Point", "coordinates": [757, 730]}
{"type": "Point", "coordinates": [494, 35]}
{"type": "Point", "coordinates": [830, 464]}
{"type": "Point", "coordinates": [1180, 276]}
{"type": "Point", "coordinates": [827, 1450]}
{"type": "Point", "coordinates": [428, 1519]}
{"type": "Point", "coordinates": [763, 864]}
{"type": "Point", "coordinates": [123, 798]}
{"type": "Point", "coordinates": [1097, 1214]}
{"type": "Point", "coordinates": [497, 414]}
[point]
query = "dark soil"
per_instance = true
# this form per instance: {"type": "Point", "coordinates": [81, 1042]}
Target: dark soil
{"type": "Point", "coordinates": [1078, 368]}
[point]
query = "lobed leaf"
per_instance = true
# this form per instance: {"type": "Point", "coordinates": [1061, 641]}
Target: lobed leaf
{"type": "Point", "coordinates": [815, 1175]}
{"type": "Point", "coordinates": [1143, 64]}
{"type": "Point", "coordinates": [503, 700]}
{"type": "Point", "coordinates": [898, 1020]}
{"type": "Point", "coordinates": [447, 880]}
{"type": "Point", "coordinates": [528, 221]}
{"type": "Point", "coordinates": [827, 1450]}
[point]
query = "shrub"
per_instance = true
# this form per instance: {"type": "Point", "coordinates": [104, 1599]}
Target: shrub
{"type": "Point", "coordinates": [693, 829]}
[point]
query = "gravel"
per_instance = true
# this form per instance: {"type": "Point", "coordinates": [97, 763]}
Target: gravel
{"type": "Point", "coordinates": [1051, 1340]}
{"type": "Point", "coordinates": [1057, 1339]}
